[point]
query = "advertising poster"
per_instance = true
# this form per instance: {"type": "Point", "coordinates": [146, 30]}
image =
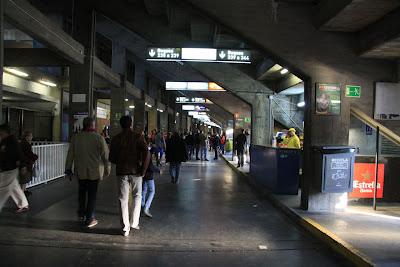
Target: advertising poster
{"type": "Point", "coordinates": [78, 121]}
{"type": "Point", "coordinates": [364, 180]}
{"type": "Point", "coordinates": [327, 99]}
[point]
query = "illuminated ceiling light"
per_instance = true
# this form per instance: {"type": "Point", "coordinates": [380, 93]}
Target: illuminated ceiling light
{"type": "Point", "coordinates": [160, 110]}
{"type": "Point", "coordinates": [126, 99]}
{"type": "Point", "coordinates": [48, 83]}
{"type": "Point", "coordinates": [16, 72]}
{"type": "Point", "coordinates": [301, 104]}
{"type": "Point", "coordinates": [284, 71]}
{"type": "Point", "coordinates": [148, 105]}
{"type": "Point", "coordinates": [131, 107]}
{"type": "Point", "coordinates": [177, 114]}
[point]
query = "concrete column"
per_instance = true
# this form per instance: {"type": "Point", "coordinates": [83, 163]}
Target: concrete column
{"type": "Point", "coordinates": [152, 119]}
{"type": "Point", "coordinates": [172, 122]}
{"type": "Point", "coordinates": [261, 120]}
{"type": "Point", "coordinates": [164, 120]}
{"type": "Point", "coordinates": [1, 55]}
{"type": "Point", "coordinates": [322, 131]}
{"type": "Point", "coordinates": [140, 112]}
{"type": "Point", "coordinates": [118, 108]}
{"type": "Point", "coordinates": [82, 76]}
{"type": "Point", "coordinates": [118, 94]}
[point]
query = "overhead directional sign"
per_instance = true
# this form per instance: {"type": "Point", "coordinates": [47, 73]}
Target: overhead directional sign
{"type": "Point", "coordinates": [199, 55]}
{"type": "Point", "coordinates": [192, 100]}
{"type": "Point", "coordinates": [193, 86]}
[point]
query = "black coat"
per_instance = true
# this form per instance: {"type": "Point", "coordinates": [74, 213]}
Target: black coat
{"type": "Point", "coordinates": [176, 150]}
{"type": "Point", "coordinates": [11, 155]}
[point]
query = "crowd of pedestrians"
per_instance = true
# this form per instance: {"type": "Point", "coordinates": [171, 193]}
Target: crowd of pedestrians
{"type": "Point", "coordinates": [90, 158]}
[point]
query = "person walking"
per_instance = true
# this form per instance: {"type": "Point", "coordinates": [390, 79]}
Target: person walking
{"type": "Point", "coordinates": [30, 159]}
{"type": "Point", "coordinates": [159, 141]}
{"type": "Point", "coordinates": [11, 159]}
{"type": "Point", "coordinates": [129, 152]}
{"type": "Point", "coordinates": [190, 145]}
{"type": "Point", "coordinates": [216, 144]}
{"type": "Point", "coordinates": [88, 155]}
{"type": "Point", "coordinates": [196, 140]}
{"type": "Point", "coordinates": [203, 146]}
{"type": "Point", "coordinates": [176, 154]}
{"type": "Point", "coordinates": [149, 188]}
{"type": "Point", "coordinates": [223, 142]}
{"type": "Point", "coordinates": [240, 144]}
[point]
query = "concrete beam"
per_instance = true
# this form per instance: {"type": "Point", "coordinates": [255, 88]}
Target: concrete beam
{"type": "Point", "coordinates": [382, 39]}
{"type": "Point", "coordinates": [286, 82]}
{"type": "Point", "coordinates": [106, 73]}
{"type": "Point", "coordinates": [31, 21]}
{"type": "Point", "coordinates": [31, 57]}
{"type": "Point", "coordinates": [263, 69]}
{"type": "Point", "coordinates": [351, 15]}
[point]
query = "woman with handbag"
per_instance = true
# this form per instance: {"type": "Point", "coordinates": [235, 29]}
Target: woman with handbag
{"type": "Point", "coordinates": [26, 175]}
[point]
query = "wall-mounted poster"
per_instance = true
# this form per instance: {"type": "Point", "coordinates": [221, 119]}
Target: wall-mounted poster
{"type": "Point", "coordinates": [387, 97]}
{"type": "Point", "coordinates": [327, 98]}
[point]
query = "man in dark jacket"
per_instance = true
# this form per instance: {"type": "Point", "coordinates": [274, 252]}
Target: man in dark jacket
{"type": "Point", "coordinates": [176, 154]}
{"type": "Point", "coordinates": [130, 154]}
{"type": "Point", "coordinates": [240, 144]}
{"type": "Point", "coordinates": [11, 157]}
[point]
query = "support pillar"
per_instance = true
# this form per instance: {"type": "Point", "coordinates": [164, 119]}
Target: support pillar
{"type": "Point", "coordinates": [322, 130]}
{"type": "Point", "coordinates": [81, 76]}
{"type": "Point", "coordinates": [139, 115]}
{"type": "Point", "coordinates": [1, 56]}
{"type": "Point", "coordinates": [261, 119]}
{"type": "Point", "coordinates": [118, 94]}
{"type": "Point", "coordinates": [152, 119]}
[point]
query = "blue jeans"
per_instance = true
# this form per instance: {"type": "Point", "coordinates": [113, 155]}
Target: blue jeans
{"type": "Point", "coordinates": [149, 190]}
{"type": "Point", "coordinates": [203, 153]}
{"type": "Point", "coordinates": [174, 170]}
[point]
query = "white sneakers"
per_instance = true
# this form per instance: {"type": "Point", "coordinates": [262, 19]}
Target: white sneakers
{"type": "Point", "coordinates": [125, 233]}
{"type": "Point", "coordinates": [147, 213]}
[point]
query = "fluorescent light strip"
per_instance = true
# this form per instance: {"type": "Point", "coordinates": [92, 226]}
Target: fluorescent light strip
{"type": "Point", "coordinates": [16, 72]}
{"type": "Point", "coordinates": [205, 61]}
{"type": "Point", "coordinates": [48, 83]}
{"type": "Point", "coordinates": [131, 107]}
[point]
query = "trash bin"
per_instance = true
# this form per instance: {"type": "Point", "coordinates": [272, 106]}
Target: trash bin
{"type": "Point", "coordinates": [335, 168]}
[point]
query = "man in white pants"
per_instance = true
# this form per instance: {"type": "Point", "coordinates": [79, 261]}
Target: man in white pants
{"type": "Point", "coordinates": [11, 157]}
{"type": "Point", "coordinates": [129, 153]}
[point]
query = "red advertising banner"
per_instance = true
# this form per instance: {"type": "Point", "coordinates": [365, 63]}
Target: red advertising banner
{"type": "Point", "coordinates": [364, 180]}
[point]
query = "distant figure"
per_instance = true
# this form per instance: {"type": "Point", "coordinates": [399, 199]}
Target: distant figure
{"type": "Point", "coordinates": [176, 154]}
{"type": "Point", "coordinates": [189, 140]}
{"type": "Point", "coordinates": [223, 142]}
{"type": "Point", "coordinates": [203, 146]}
{"type": "Point", "coordinates": [159, 142]}
{"type": "Point", "coordinates": [129, 152]}
{"type": "Point", "coordinates": [149, 188]}
{"type": "Point", "coordinates": [216, 141]}
{"type": "Point", "coordinates": [196, 140]}
{"type": "Point", "coordinates": [30, 159]}
{"type": "Point", "coordinates": [11, 158]}
{"type": "Point", "coordinates": [88, 154]}
{"type": "Point", "coordinates": [240, 144]}
{"type": "Point", "coordinates": [292, 140]}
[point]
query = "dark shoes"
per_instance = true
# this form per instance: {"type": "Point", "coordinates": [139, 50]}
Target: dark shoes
{"type": "Point", "coordinates": [22, 210]}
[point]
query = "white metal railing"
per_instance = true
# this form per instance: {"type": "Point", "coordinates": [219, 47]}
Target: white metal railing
{"type": "Point", "coordinates": [51, 162]}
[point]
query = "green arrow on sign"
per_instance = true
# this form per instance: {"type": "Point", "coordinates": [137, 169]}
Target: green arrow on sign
{"type": "Point", "coordinates": [353, 91]}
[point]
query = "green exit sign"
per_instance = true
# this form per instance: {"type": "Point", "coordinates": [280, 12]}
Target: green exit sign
{"type": "Point", "coordinates": [353, 91]}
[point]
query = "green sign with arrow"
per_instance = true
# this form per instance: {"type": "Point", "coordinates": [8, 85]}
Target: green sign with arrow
{"type": "Point", "coordinates": [353, 91]}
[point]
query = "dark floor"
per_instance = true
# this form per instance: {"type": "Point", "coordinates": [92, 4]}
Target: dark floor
{"type": "Point", "coordinates": [212, 218]}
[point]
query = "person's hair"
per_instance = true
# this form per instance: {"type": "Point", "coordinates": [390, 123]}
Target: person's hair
{"type": "Point", "coordinates": [5, 128]}
{"type": "Point", "coordinates": [87, 122]}
{"type": "Point", "coordinates": [26, 134]}
{"type": "Point", "coordinates": [125, 122]}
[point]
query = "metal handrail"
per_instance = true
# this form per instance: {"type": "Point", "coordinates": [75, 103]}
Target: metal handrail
{"type": "Point", "coordinates": [386, 132]}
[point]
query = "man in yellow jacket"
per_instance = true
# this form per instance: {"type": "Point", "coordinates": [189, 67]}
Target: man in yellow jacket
{"type": "Point", "coordinates": [292, 140]}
